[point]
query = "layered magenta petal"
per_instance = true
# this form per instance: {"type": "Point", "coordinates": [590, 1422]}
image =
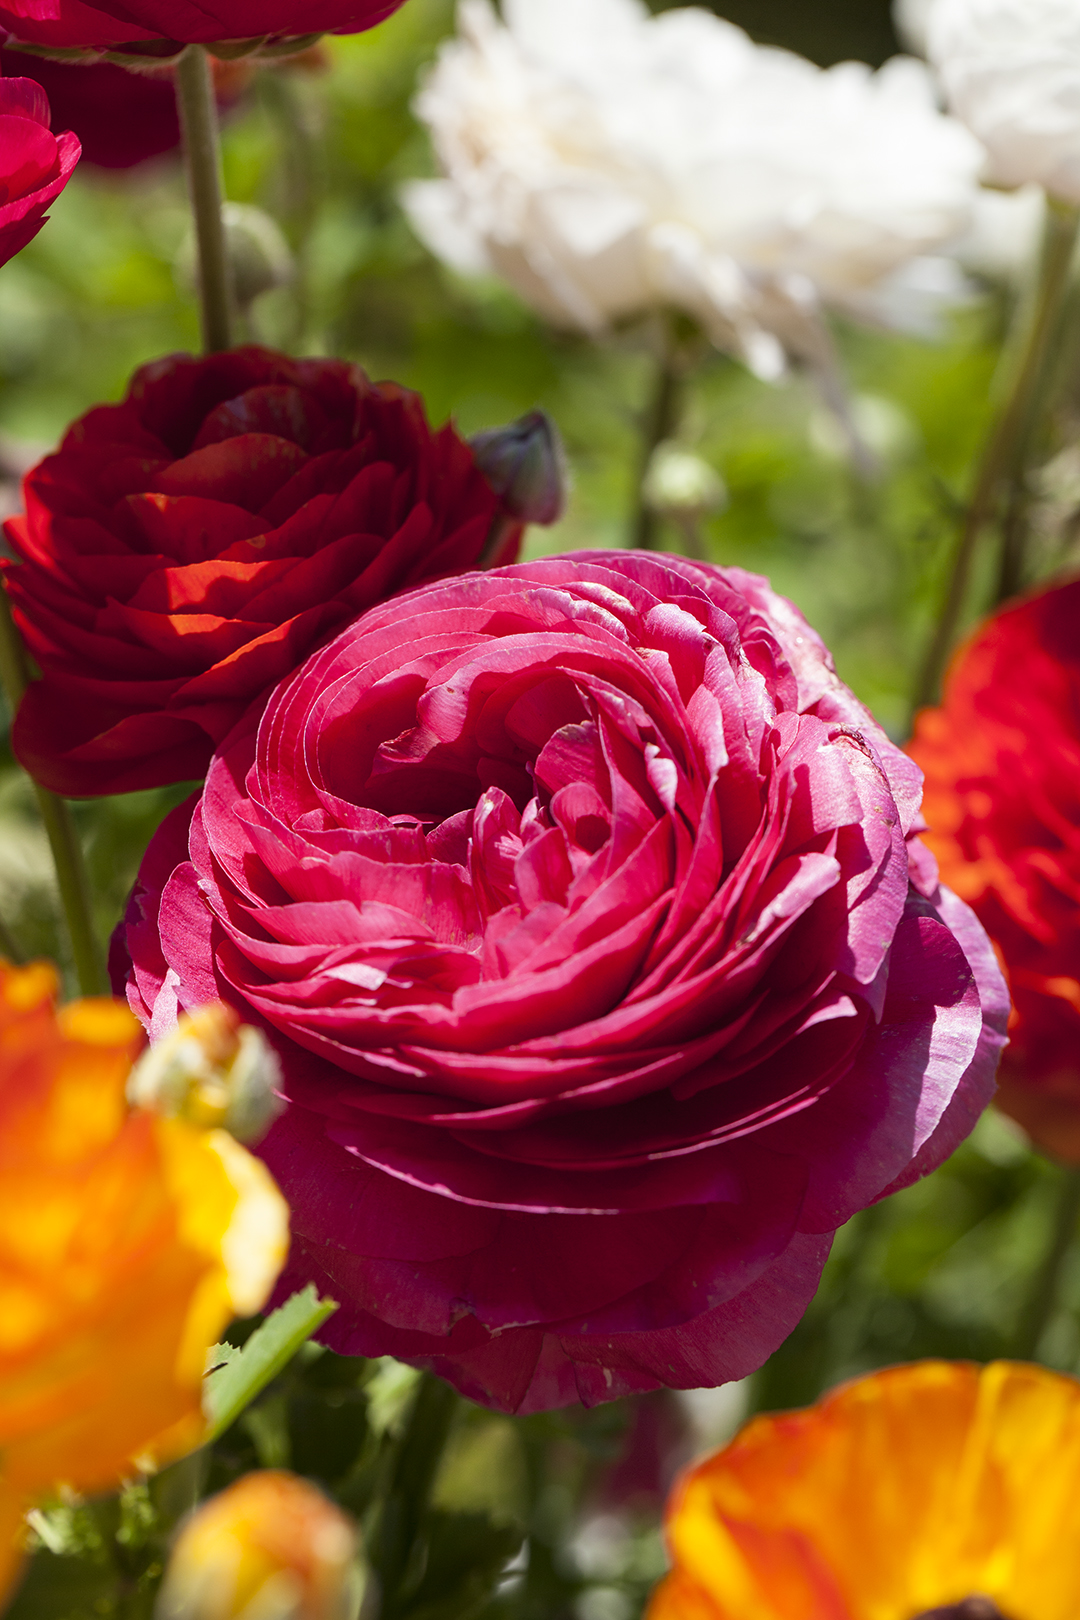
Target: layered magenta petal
{"type": "Point", "coordinates": [35, 165]}
{"type": "Point", "coordinates": [577, 898]}
{"type": "Point", "coordinates": [184, 551]}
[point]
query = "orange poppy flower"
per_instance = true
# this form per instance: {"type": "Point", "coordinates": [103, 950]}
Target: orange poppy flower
{"type": "Point", "coordinates": [1002, 763]}
{"type": "Point", "coordinates": [127, 1243]}
{"type": "Point", "coordinates": [938, 1489]}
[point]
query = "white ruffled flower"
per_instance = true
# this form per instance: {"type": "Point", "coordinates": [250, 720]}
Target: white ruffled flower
{"type": "Point", "coordinates": [1011, 72]}
{"type": "Point", "coordinates": [605, 162]}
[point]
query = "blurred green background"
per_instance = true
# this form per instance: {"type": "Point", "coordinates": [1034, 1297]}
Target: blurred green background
{"type": "Point", "coordinates": [940, 1269]}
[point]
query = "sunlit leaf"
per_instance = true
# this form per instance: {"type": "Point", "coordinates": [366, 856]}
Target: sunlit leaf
{"type": "Point", "coordinates": [232, 1387]}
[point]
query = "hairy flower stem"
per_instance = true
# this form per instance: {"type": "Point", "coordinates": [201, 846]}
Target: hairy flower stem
{"type": "Point", "coordinates": [1011, 433]}
{"type": "Point", "coordinates": [202, 159]}
{"type": "Point", "coordinates": [660, 420]}
{"type": "Point", "coordinates": [396, 1547]}
{"type": "Point", "coordinates": [63, 838]}
{"type": "Point", "coordinates": [1042, 1301]}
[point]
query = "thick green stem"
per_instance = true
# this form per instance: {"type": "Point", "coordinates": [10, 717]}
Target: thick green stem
{"type": "Point", "coordinates": [1042, 1301]}
{"type": "Point", "coordinates": [1011, 433]}
{"type": "Point", "coordinates": [63, 838]}
{"type": "Point", "coordinates": [660, 421]}
{"type": "Point", "coordinates": [202, 159]}
{"type": "Point", "coordinates": [397, 1543]}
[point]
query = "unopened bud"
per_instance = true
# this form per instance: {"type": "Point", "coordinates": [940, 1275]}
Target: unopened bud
{"type": "Point", "coordinates": [271, 1547]}
{"type": "Point", "coordinates": [214, 1072]}
{"type": "Point", "coordinates": [525, 464]}
{"type": "Point", "coordinates": [683, 486]}
{"type": "Point", "coordinates": [259, 256]}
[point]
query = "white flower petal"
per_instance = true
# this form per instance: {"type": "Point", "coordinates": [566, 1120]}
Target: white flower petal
{"type": "Point", "coordinates": [607, 162]}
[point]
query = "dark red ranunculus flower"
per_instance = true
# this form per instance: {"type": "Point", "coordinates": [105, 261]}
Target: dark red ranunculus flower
{"type": "Point", "coordinates": [1002, 764]}
{"type": "Point", "coordinates": [70, 24]}
{"type": "Point", "coordinates": [35, 165]}
{"type": "Point", "coordinates": [606, 983]}
{"type": "Point", "coordinates": [185, 550]}
{"type": "Point", "coordinates": [121, 118]}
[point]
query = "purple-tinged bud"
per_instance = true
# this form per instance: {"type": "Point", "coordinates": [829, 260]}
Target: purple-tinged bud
{"type": "Point", "coordinates": [525, 464]}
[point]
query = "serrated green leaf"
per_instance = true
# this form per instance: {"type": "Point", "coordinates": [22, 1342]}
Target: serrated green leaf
{"type": "Point", "coordinates": [219, 1355]}
{"type": "Point", "coordinates": [232, 1387]}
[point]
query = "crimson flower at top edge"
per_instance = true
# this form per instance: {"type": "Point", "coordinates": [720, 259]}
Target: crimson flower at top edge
{"type": "Point", "coordinates": [1002, 763]}
{"type": "Point", "coordinates": [35, 165]}
{"type": "Point", "coordinates": [70, 24]}
{"type": "Point", "coordinates": [185, 550]}
{"type": "Point", "coordinates": [580, 901]}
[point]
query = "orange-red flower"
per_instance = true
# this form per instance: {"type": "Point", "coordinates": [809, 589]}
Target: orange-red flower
{"type": "Point", "coordinates": [1002, 764]}
{"type": "Point", "coordinates": [902, 1494]}
{"type": "Point", "coordinates": [270, 1545]}
{"type": "Point", "coordinates": [127, 1242]}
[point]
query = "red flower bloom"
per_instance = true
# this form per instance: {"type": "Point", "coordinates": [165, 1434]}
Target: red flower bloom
{"type": "Point", "coordinates": [577, 899]}
{"type": "Point", "coordinates": [1002, 764]}
{"type": "Point", "coordinates": [71, 24]}
{"type": "Point", "coordinates": [121, 118]}
{"type": "Point", "coordinates": [184, 550]}
{"type": "Point", "coordinates": [35, 166]}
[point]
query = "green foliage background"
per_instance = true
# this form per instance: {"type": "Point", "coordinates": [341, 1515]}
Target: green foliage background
{"type": "Point", "coordinates": [943, 1269]}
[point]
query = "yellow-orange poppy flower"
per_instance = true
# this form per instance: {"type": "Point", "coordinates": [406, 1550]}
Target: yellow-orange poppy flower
{"type": "Point", "coordinates": [937, 1488]}
{"type": "Point", "coordinates": [127, 1242]}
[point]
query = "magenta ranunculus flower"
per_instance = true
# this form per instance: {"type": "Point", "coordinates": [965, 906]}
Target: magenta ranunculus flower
{"type": "Point", "coordinates": [606, 975]}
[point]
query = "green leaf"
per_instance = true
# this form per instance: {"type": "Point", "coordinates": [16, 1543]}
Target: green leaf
{"type": "Point", "coordinates": [219, 1355]}
{"type": "Point", "coordinates": [231, 1388]}
{"type": "Point", "coordinates": [466, 1554]}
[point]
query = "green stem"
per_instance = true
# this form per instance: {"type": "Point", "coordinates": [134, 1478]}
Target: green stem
{"type": "Point", "coordinates": [1011, 433]}
{"type": "Point", "coordinates": [1042, 1301]}
{"type": "Point", "coordinates": [1014, 537]}
{"type": "Point", "coordinates": [202, 158]}
{"type": "Point", "coordinates": [63, 838]}
{"type": "Point", "coordinates": [396, 1545]}
{"type": "Point", "coordinates": [660, 421]}
{"type": "Point", "coordinates": [693, 541]}
{"type": "Point", "coordinates": [301, 184]}
{"type": "Point", "coordinates": [9, 945]}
